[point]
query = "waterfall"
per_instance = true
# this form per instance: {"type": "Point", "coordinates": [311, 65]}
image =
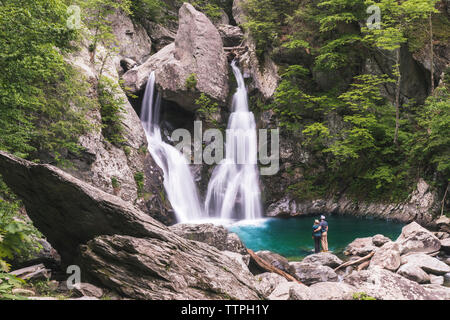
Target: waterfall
{"type": "Point", "coordinates": [178, 181]}
{"type": "Point", "coordinates": [233, 191]}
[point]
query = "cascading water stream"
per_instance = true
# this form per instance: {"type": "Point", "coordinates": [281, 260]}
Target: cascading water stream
{"type": "Point", "coordinates": [233, 191]}
{"type": "Point", "coordinates": [178, 181]}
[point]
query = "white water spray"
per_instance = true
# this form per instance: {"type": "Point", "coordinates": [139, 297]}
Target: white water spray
{"type": "Point", "coordinates": [178, 181]}
{"type": "Point", "coordinates": [233, 192]}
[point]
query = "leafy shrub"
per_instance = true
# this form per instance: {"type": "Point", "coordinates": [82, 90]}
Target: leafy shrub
{"type": "Point", "coordinates": [8, 282]}
{"type": "Point", "coordinates": [191, 81]}
{"type": "Point", "coordinates": [17, 236]}
{"type": "Point", "coordinates": [37, 88]}
{"type": "Point", "coordinates": [140, 180]}
{"type": "Point", "coordinates": [207, 109]}
{"type": "Point", "coordinates": [111, 107]}
{"type": "Point", "coordinates": [362, 296]}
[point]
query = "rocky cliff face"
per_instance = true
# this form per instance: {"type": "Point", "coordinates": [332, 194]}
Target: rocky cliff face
{"type": "Point", "coordinates": [195, 63]}
{"type": "Point", "coordinates": [119, 246]}
{"type": "Point", "coordinates": [421, 207]}
{"type": "Point", "coordinates": [102, 162]}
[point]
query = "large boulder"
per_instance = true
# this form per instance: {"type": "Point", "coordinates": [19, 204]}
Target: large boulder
{"type": "Point", "coordinates": [386, 285]}
{"type": "Point", "coordinates": [232, 36]}
{"type": "Point", "coordinates": [427, 263]}
{"type": "Point", "coordinates": [379, 240]}
{"type": "Point", "coordinates": [101, 162]}
{"type": "Point", "coordinates": [443, 224]}
{"type": "Point", "coordinates": [332, 291]}
{"type": "Point", "coordinates": [387, 257]}
{"type": "Point", "coordinates": [413, 273]}
{"type": "Point", "coordinates": [197, 52]}
{"type": "Point", "coordinates": [118, 246]}
{"type": "Point", "coordinates": [134, 42]}
{"type": "Point", "coordinates": [311, 273]}
{"type": "Point", "coordinates": [415, 238]}
{"type": "Point", "coordinates": [154, 269]}
{"type": "Point", "coordinates": [324, 259]}
{"type": "Point", "coordinates": [267, 282]}
{"type": "Point", "coordinates": [290, 291]}
{"type": "Point", "coordinates": [274, 259]}
{"type": "Point", "coordinates": [216, 236]}
{"type": "Point", "coordinates": [360, 247]}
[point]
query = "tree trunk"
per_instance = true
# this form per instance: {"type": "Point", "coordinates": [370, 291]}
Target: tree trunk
{"type": "Point", "coordinates": [397, 95]}
{"type": "Point", "coordinates": [269, 268]}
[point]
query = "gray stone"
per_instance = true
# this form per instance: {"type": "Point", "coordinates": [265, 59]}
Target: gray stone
{"type": "Point", "coordinates": [290, 291]}
{"type": "Point", "coordinates": [443, 224]}
{"type": "Point", "coordinates": [309, 273]}
{"type": "Point", "coordinates": [118, 246]}
{"type": "Point", "coordinates": [387, 257]}
{"type": "Point", "coordinates": [360, 247]}
{"type": "Point", "coordinates": [324, 259]}
{"type": "Point", "coordinates": [274, 259]}
{"type": "Point", "coordinates": [87, 289]}
{"type": "Point", "coordinates": [23, 292]}
{"type": "Point", "coordinates": [386, 285]}
{"type": "Point", "coordinates": [427, 263]}
{"type": "Point", "coordinates": [439, 280]}
{"type": "Point", "coordinates": [413, 273]}
{"type": "Point", "coordinates": [332, 291]}
{"type": "Point", "coordinates": [197, 50]}
{"type": "Point", "coordinates": [242, 260]}
{"type": "Point", "coordinates": [447, 277]}
{"type": "Point", "coordinates": [132, 39]}
{"type": "Point", "coordinates": [216, 236]}
{"type": "Point", "coordinates": [379, 240]}
{"type": "Point", "coordinates": [438, 292]}
{"type": "Point", "coordinates": [267, 282]}
{"type": "Point", "coordinates": [232, 36]}
{"type": "Point", "coordinates": [415, 238]}
{"type": "Point", "coordinates": [36, 272]}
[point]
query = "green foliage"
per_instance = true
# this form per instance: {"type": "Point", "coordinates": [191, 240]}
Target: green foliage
{"type": "Point", "coordinates": [127, 150]}
{"type": "Point", "coordinates": [115, 183]}
{"type": "Point", "coordinates": [191, 81]}
{"type": "Point", "coordinates": [362, 296]}
{"type": "Point", "coordinates": [265, 19]}
{"type": "Point", "coordinates": [37, 88]}
{"type": "Point", "coordinates": [111, 107]}
{"type": "Point", "coordinates": [8, 282]}
{"type": "Point", "coordinates": [207, 109]}
{"type": "Point", "coordinates": [17, 235]}
{"type": "Point", "coordinates": [140, 180]}
{"type": "Point", "coordinates": [147, 10]}
{"type": "Point", "coordinates": [212, 8]}
{"type": "Point", "coordinates": [430, 145]}
{"type": "Point", "coordinates": [96, 17]}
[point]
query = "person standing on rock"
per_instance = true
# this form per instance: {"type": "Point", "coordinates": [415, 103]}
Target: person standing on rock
{"type": "Point", "coordinates": [324, 229]}
{"type": "Point", "coordinates": [317, 235]}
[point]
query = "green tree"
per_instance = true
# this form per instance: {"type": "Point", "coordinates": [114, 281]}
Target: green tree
{"type": "Point", "coordinates": [397, 18]}
{"type": "Point", "coordinates": [37, 87]}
